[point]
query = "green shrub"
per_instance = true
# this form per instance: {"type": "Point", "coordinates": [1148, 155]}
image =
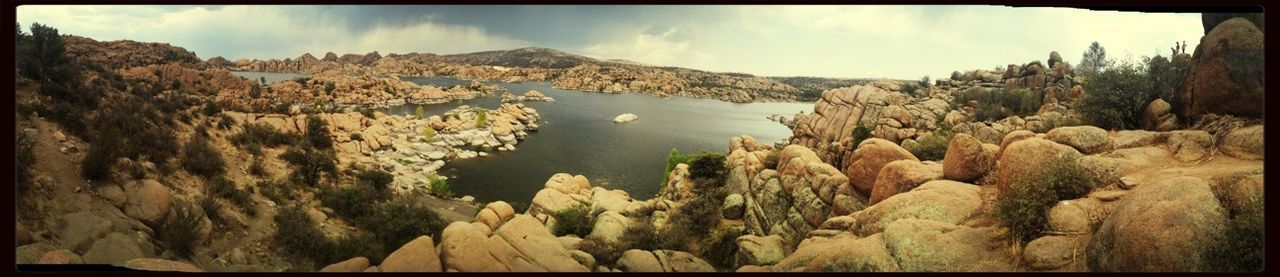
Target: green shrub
{"type": "Point", "coordinates": [298, 235]}
{"type": "Point", "coordinates": [673, 158]}
{"type": "Point", "coordinates": [428, 133]}
{"type": "Point", "coordinates": [643, 236]}
{"type": "Point", "coordinates": [421, 112]}
{"type": "Point", "coordinates": [180, 232]}
{"type": "Point", "coordinates": [575, 220]}
{"type": "Point", "coordinates": [931, 146]}
{"type": "Point", "coordinates": [211, 108]}
{"type": "Point", "coordinates": [1167, 75]}
{"type": "Point", "coordinates": [721, 249]}
{"type": "Point", "coordinates": [350, 202]}
{"type": "Point", "coordinates": [996, 104]}
{"type": "Point", "coordinates": [707, 166]}
{"type": "Point", "coordinates": [227, 189]}
{"type": "Point", "coordinates": [376, 179]}
{"type": "Point", "coordinates": [695, 220]}
{"type": "Point", "coordinates": [1115, 98]}
{"type": "Point", "coordinates": [1240, 247]}
{"type": "Point", "coordinates": [357, 245]}
{"type": "Point", "coordinates": [482, 118]}
{"type": "Point", "coordinates": [396, 223]}
{"type": "Point", "coordinates": [276, 191]}
{"type": "Point", "coordinates": [310, 165]}
{"type": "Point", "coordinates": [212, 208]}
{"type": "Point", "coordinates": [257, 169]}
{"type": "Point", "coordinates": [439, 186]}
{"type": "Point", "coordinates": [25, 161]}
{"type": "Point", "coordinates": [202, 159]}
{"type": "Point", "coordinates": [260, 134]}
{"type": "Point", "coordinates": [604, 252]}
{"type": "Point", "coordinates": [860, 133]}
{"type": "Point", "coordinates": [318, 132]}
{"type": "Point", "coordinates": [1024, 206]}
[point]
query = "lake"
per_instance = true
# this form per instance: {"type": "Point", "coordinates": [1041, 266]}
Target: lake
{"type": "Point", "coordinates": [577, 136]}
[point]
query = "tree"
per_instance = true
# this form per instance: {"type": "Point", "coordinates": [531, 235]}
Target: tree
{"type": "Point", "coordinates": [45, 58]}
{"type": "Point", "coordinates": [1093, 60]}
{"type": "Point", "coordinates": [924, 81]}
{"type": "Point", "coordinates": [1167, 75]}
{"type": "Point", "coordinates": [1116, 97]}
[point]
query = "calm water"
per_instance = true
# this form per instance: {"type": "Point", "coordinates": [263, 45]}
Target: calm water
{"type": "Point", "coordinates": [272, 77]}
{"type": "Point", "coordinates": [578, 136]}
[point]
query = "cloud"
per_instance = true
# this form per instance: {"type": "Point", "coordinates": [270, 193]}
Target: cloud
{"type": "Point", "coordinates": [666, 48]}
{"type": "Point", "coordinates": [262, 31]}
{"type": "Point", "coordinates": [903, 42]}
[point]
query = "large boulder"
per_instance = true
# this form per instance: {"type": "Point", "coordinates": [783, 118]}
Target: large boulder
{"type": "Point", "coordinates": [61, 256]}
{"type": "Point", "coordinates": [942, 200]}
{"type": "Point", "coordinates": [357, 264]}
{"type": "Point", "coordinates": [966, 160]}
{"type": "Point", "coordinates": [927, 245]}
{"type": "Point", "coordinates": [1226, 71]}
{"type": "Point", "coordinates": [1162, 226]}
{"type": "Point", "coordinates": [153, 264]}
{"type": "Point", "coordinates": [609, 226]}
{"type": "Point", "coordinates": [114, 249]}
{"type": "Point", "coordinates": [419, 255]}
{"type": "Point", "coordinates": [902, 176]}
{"type": "Point", "coordinates": [1028, 156]}
{"type": "Point", "coordinates": [865, 163]}
{"type": "Point", "coordinates": [79, 230]}
{"type": "Point", "coordinates": [1244, 143]}
{"type": "Point", "coordinates": [1051, 252]}
{"type": "Point", "coordinates": [840, 253]}
{"type": "Point", "coordinates": [1086, 139]}
{"type": "Point", "coordinates": [148, 201]}
{"type": "Point", "coordinates": [1159, 116]}
{"type": "Point", "coordinates": [758, 250]}
{"type": "Point", "coordinates": [636, 260]}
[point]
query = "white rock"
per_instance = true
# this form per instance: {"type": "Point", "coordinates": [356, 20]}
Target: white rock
{"type": "Point", "coordinates": [624, 118]}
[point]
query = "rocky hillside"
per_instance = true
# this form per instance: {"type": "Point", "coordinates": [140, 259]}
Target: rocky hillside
{"type": "Point", "coordinates": [564, 70]}
{"type": "Point", "coordinates": [1029, 168]}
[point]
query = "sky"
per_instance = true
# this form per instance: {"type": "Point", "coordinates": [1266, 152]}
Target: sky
{"type": "Point", "coordinates": [901, 42]}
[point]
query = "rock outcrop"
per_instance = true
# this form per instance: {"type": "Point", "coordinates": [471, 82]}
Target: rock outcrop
{"type": "Point", "coordinates": [1225, 75]}
{"type": "Point", "coordinates": [1137, 236]}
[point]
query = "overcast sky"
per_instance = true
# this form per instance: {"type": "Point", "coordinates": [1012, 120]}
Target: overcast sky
{"type": "Point", "coordinates": [904, 42]}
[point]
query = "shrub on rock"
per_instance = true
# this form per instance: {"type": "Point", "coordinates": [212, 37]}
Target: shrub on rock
{"type": "Point", "coordinates": [181, 232]}
{"type": "Point", "coordinates": [576, 220]}
{"type": "Point", "coordinates": [1023, 208]}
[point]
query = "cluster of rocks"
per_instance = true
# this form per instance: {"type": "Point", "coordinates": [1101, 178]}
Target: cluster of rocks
{"type": "Point", "coordinates": [400, 144]}
{"type": "Point", "coordinates": [891, 115]}
{"type": "Point", "coordinates": [618, 78]}
{"type": "Point", "coordinates": [530, 96]}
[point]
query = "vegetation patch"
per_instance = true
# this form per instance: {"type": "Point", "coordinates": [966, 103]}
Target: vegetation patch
{"type": "Point", "coordinates": [721, 249]}
{"type": "Point", "coordinates": [575, 220]}
{"type": "Point", "coordinates": [1240, 247]}
{"type": "Point", "coordinates": [225, 188]}
{"type": "Point", "coordinates": [1023, 208]}
{"type": "Point", "coordinates": [201, 159]}
{"type": "Point", "coordinates": [181, 232]}
{"type": "Point", "coordinates": [931, 146]}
